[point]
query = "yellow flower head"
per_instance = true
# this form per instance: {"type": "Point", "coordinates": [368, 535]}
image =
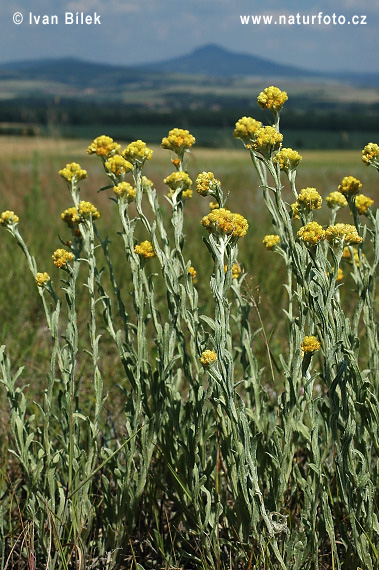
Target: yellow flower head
{"type": "Point", "coordinates": [208, 357]}
{"type": "Point", "coordinates": [311, 234]}
{"type": "Point", "coordinates": [206, 183]}
{"type": "Point", "coordinates": [73, 172]}
{"type": "Point", "coordinates": [295, 211]}
{"type": "Point", "coordinates": [71, 217]}
{"type": "Point", "coordinates": [271, 240]}
{"type": "Point", "coordinates": [363, 203]}
{"type": "Point", "coordinates": [137, 152]}
{"type": "Point", "coordinates": [124, 190]}
{"type": "Point", "coordinates": [336, 200]}
{"type": "Point", "coordinates": [267, 140]}
{"type": "Point", "coordinates": [245, 129]}
{"type": "Point", "coordinates": [222, 221]}
{"type": "Point", "coordinates": [42, 279]}
{"type": "Point", "coordinates": [117, 165]}
{"type": "Point", "coordinates": [339, 274]}
{"type": "Point", "coordinates": [9, 218]}
{"type": "Point", "coordinates": [146, 183]}
{"type": "Point", "coordinates": [347, 257]}
{"type": "Point", "coordinates": [86, 211]}
{"type": "Point", "coordinates": [104, 146]}
{"type": "Point", "coordinates": [178, 140]}
{"type": "Point", "coordinates": [236, 270]}
{"type": "Point", "coordinates": [272, 98]}
{"type": "Point", "coordinates": [287, 159]}
{"type": "Point", "coordinates": [370, 154]}
{"type": "Point", "coordinates": [192, 272]}
{"type": "Point", "coordinates": [310, 344]}
{"type": "Point", "coordinates": [350, 186]}
{"type": "Point", "coordinates": [214, 205]}
{"type": "Point", "coordinates": [61, 257]}
{"type": "Point", "coordinates": [342, 233]}
{"type": "Point", "coordinates": [309, 199]}
{"type": "Point", "coordinates": [179, 180]}
{"type": "Point", "coordinates": [145, 250]}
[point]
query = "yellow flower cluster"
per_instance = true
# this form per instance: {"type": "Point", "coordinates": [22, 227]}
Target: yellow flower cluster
{"type": "Point", "coordinates": [339, 274]}
{"type": "Point", "coordinates": [137, 152]}
{"type": "Point", "coordinates": [178, 140]}
{"type": "Point", "coordinates": [118, 166]}
{"type": "Point", "coordinates": [309, 199]}
{"type": "Point", "coordinates": [350, 186]}
{"type": "Point", "coordinates": [363, 203]}
{"type": "Point", "coordinates": [223, 221]}
{"type": "Point", "coordinates": [336, 200]}
{"type": "Point", "coordinates": [287, 159]}
{"type": "Point", "coordinates": [71, 217]}
{"type": "Point", "coordinates": [86, 210]}
{"type": "Point", "coordinates": [370, 154]}
{"type": "Point", "coordinates": [9, 218]}
{"type": "Point", "coordinates": [214, 205]}
{"type": "Point", "coordinates": [311, 234]}
{"type": "Point", "coordinates": [206, 182]}
{"type": "Point", "coordinates": [61, 257]}
{"type": "Point", "coordinates": [104, 146]}
{"type": "Point", "coordinates": [236, 270]}
{"type": "Point", "coordinates": [310, 344]}
{"type": "Point", "coordinates": [145, 249]}
{"type": "Point", "coordinates": [179, 180]}
{"type": "Point", "coordinates": [346, 255]}
{"type": "Point", "coordinates": [147, 184]}
{"type": "Point", "coordinates": [42, 279]}
{"type": "Point", "coordinates": [125, 190]}
{"type": "Point", "coordinates": [267, 140]}
{"type": "Point", "coordinates": [208, 357]}
{"type": "Point", "coordinates": [192, 272]}
{"type": "Point", "coordinates": [345, 233]}
{"type": "Point", "coordinates": [272, 98]}
{"type": "Point", "coordinates": [270, 241]}
{"type": "Point", "coordinates": [245, 129]}
{"type": "Point", "coordinates": [73, 172]}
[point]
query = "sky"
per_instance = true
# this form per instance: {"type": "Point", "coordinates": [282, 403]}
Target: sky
{"type": "Point", "coordinates": [140, 31]}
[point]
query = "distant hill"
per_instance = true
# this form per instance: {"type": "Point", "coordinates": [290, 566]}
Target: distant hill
{"type": "Point", "coordinates": [210, 61]}
{"type": "Point", "coordinates": [213, 60]}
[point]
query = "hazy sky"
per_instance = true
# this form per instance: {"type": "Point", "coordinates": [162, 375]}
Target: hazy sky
{"type": "Point", "coordinates": [150, 30]}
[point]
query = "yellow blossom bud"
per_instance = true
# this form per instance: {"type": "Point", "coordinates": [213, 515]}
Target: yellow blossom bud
{"type": "Point", "coordinates": [310, 344]}
{"type": "Point", "coordinates": [214, 205]}
{"type": "Point", "coordinates": [267, 140]}
{"type": "Point", "coordinates": [336, 200]}
{"type": "Point", "coordinates": [350, 186]}
{"type": "Point", "coordinates": [73, 172]}
{"type": "Point", "coordinates": [287, 159]}
{"type": "Point", "coordinates": [309, 199]}
{"type": "Point", "coordinates": [117, 165]}
{"type": "Point", "coordinates": [272, 98]}
{"type": "Point", "coordinates": [61, 257]}
{"type": "Point", "coordinates": [42, 279]}
{"type": "Point", "coordinates": [342, 233]}
{"type": "Point", "coordinates": [104, 146]}
{"type": "Point", "coordinates": [208, 357]}
{"type": "Point", "coordinates": [193, 273]}
{"type": "Point", "coordinates": [9, 218]}
{"type": "Point", "coordinates": [222, 221]}
{"type": "Point", "coordinates": [363, 203]}
{"type": "Point", "coordinates": [270, 241]}
{"type": "Point", "coordinates": [178, 140]}
{"type": "Point", "coordinates": [311, 234]}
{"type": "Point", "coordinates": [137, 152]}
{"type": "Point", "coordinates": [370, 155]}
{"type": "Point", "coordinates": [245, 129]}
{"type": "Point", "coordinates": [206, 183]}
{"type": "Point", "coordinates": [86, 210]}
{"type": "Point", "coordinates": [124, 190]}
{"type": "Point", "coordinates": [145, 250]}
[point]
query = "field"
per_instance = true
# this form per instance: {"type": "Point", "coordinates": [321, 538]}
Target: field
{"type": "Point", "coordinates": [178, 483]}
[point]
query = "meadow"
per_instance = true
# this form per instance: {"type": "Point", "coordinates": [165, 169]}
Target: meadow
{"type": "Point", "coordinates": [177, 420]}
